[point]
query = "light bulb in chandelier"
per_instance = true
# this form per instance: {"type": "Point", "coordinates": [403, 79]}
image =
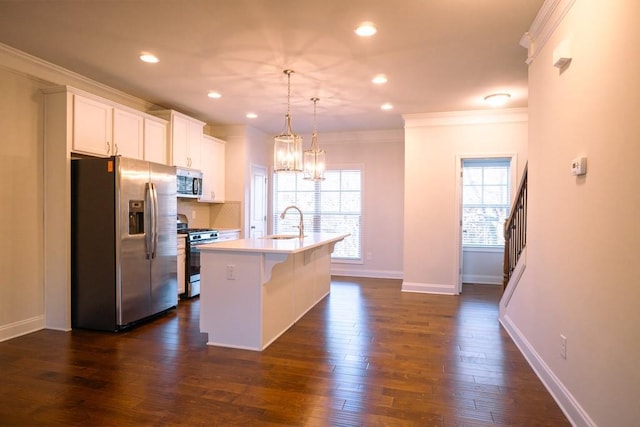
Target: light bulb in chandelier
{"type": "Point", "coordinates": [287, 147]}
{"type": "Point", "coordinates": [314, 159]}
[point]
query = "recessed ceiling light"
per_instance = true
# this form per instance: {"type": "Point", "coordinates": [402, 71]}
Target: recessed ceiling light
{"type": "Point", "coordinates": [366, 29]}
{"type": "Point", "coordinates": [252, 116]}
{"type": "Point", "coordinates": [214, 95]}
{"type": "Point", "coordinates": [497, 99]}
{"type": "Point", "coordinates": [379, 79]}
{"type": "Point", "coordinates": [149, 58]}
{"type": "Point", "coordinates": [386, 106]}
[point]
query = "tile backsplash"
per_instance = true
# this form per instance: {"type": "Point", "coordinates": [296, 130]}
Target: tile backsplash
{"type": "Point", "coordinates": [215, 215]}
{"type": "Point", "coordinates": [197, 213]}
{"type": "Point", "coordinates": [225, 215]}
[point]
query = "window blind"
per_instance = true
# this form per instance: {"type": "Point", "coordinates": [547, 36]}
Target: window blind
{"type": "Point", "coordinates": [330, 206]}
{"type": "Point", "coordinates": [485, 200]}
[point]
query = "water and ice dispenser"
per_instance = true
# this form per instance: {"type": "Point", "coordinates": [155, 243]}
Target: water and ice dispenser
{"type": "Point", "coordinates": [136, 217]}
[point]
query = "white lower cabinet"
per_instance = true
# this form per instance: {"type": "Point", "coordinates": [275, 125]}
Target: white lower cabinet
{"type": "Point", "coordinates": [182, 259]}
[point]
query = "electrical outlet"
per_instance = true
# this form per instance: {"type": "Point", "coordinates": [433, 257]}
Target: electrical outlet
{"type": "Point", "coordinates": [563, 346]}
{"type": "Point", "coordinates": [231, 272]}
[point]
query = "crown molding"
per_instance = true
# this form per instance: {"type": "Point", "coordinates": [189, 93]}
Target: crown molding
{"type": "Point", "coordinates": [471, 117]}
{"type": "Point", "coordinates": [549, 17]}
{"type": "Point", "coordinates": [51, 74]}
{"type": "Point", "coordinates": [384, 136]}
{"type": "Point", "coordinates": [362, 137]}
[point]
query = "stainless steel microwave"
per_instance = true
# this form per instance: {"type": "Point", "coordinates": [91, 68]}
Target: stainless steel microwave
{"type": "Point", "coordinates": [189, 183]}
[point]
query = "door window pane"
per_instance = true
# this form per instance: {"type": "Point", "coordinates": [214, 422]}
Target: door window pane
{"type": "Point", "coordinates": [485, 201]}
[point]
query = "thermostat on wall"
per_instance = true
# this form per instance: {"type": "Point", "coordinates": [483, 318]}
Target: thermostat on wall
{"type": "Point", "coordinates": [579, 166]}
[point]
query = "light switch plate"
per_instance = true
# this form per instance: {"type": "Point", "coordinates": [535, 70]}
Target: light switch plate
{"type": "Point", "coordinates": [579, 166]}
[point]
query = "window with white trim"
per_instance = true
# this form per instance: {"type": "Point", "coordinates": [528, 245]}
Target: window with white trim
{"type": "Point", "coordinates": [330, 206]}
{"type": "Point", "coordinates": [485, 201]}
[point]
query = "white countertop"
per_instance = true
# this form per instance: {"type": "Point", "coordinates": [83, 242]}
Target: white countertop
{"type": "Point", "coordinates": [266, 245]}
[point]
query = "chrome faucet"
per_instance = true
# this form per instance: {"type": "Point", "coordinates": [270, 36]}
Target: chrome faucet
{"type": "Point", "coordinates": [301, 226]}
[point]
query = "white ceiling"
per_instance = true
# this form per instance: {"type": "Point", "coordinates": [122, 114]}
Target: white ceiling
{"type": "Point", "coordinates": [439, 55]}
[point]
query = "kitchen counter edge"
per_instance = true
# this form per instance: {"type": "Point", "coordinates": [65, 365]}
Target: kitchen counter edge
{"type": "Point", "coordinates": [266, 245]}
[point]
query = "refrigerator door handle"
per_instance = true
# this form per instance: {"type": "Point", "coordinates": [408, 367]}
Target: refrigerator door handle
{"type": "Point", "coordinates": [149, 235]}
{"type": "Point", "coordinates": [154, 225]}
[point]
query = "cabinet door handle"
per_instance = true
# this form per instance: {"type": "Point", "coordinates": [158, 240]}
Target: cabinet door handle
{"type": "Point", "coordinates": [108, 147]}
{"type": "Point", "coordinates": [116, 147]}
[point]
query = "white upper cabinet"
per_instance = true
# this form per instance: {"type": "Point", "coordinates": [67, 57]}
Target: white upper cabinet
{"type": "Point", "coordinates": [128, 134]}
{"type": "Point", "coordinates": [104, 128]}
{"type": "Point", "coordinates": [194, 145]}
{"type": "Point", "coordinates": [155, 140]}
{"type": "Point", "coordinates": [92, 127]}
{"type": "Point", "coordinates": [213, 169]}
{"type": "Point", "coordinates": [185, 138]}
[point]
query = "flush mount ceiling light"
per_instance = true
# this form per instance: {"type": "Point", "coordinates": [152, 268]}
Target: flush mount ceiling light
{"type": "Point", "coordinates": [287, 147]}
{"type": "Point", "coordinates": [387, 106]}
{"type": "Point", "coordinates": [252, 116]}
{"type": "Point", "coordinates": [380, 79]}
{"type": "Point", "coordinates": [497, 99]}
{"type": "Point", "coordinates": [149, 58]}
{"type": "Point", "coordinates": [366, 29]}
{"type": "Point", "coordinates": [213, 94]}
{"type": "Point", "coordinates": [314, 159]}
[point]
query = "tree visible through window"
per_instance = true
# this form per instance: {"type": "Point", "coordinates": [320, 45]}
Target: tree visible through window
{"type": "Point", "coordinates": [485, 201]}
{"type": "Point", "coordinates": [330, 206]}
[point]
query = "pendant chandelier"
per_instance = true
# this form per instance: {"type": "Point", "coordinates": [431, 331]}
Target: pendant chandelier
{"type": "Point", "coordinates": [287, 147]}
{"type": "Point", "coordinates": [314, 159]}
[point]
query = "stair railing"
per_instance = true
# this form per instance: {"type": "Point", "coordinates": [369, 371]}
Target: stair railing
{"type": "Point", "coordinates": [515, 230]}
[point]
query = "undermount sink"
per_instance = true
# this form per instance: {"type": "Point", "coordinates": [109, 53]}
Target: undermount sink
{"type": "Point", "coordinates": [281, 236]}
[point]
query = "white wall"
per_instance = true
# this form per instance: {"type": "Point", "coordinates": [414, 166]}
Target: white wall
{"type": "Point", "coordinates": [482, 265]}
{"type": "Point", "coordinates": [582, 271]}
{"type": "Point", "coordinates": [381, 154]}
{"type": "Point", "coordinates": [245, 146]}
{"type": "Point", "coordinates": [21, 197]}
{"type": "Point", "coordinates": [434, 146]}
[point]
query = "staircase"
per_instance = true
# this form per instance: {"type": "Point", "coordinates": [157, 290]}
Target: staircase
{"type": "Point", "coordinates": [515, 231]}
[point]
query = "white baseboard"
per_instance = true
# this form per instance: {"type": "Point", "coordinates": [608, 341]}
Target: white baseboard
{"type": "Point", "coordinates": [345, 270]}
{"type": "Point", "coordinates": [428, 288]}
{"type": "Point", "coordinates": [568, 404]}
{"type": "Point", "coordinates": [23, 327]}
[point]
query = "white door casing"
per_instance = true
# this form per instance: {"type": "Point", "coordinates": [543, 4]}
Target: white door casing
{"type": "Point", "coordinates": [258, 201]}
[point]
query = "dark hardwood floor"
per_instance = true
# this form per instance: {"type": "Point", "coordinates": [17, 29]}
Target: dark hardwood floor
{"type": "Point", "coordinates": [367, 355]}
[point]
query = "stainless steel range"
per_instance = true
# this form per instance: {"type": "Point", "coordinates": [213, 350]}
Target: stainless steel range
{"type": "Point", "coordinates": [195, 238]}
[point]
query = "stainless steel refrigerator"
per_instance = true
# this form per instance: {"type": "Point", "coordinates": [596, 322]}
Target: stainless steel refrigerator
{"type": "Point", "coordinates": [123, 242]}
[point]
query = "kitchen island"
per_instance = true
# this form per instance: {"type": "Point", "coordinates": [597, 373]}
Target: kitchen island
{"type": "Point", "coordinates": [253, 290]}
